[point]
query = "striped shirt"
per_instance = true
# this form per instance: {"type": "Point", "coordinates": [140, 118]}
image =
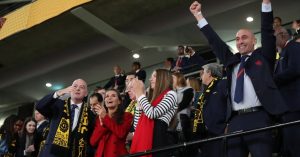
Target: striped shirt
{"type": "Point", "coordinates": [164, 111]}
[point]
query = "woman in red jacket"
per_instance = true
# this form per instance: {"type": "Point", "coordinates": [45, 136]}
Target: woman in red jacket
{"type": "Point", "coordinates": [111, 128]}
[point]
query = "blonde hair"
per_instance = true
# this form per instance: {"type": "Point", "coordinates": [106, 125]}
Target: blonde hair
{"type": "Point", "coordinates": [194, 83]}
{"type": "Point", "coordinates": [181, 81]}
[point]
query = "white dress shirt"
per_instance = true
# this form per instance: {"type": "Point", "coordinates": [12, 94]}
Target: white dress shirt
{"type": "Point", "coordinates": [77, 111]}
{"type": "Point", "coordinates": [250, 98]}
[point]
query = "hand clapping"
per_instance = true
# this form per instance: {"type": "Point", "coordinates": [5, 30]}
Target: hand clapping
{"type": "Point", "coordinates": [138, 87]}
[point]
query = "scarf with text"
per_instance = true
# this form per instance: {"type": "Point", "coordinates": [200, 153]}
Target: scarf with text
{"type": "Point", "coordinates": [61, 143]}
{"type": "Point", "coordinates": [202, 100]}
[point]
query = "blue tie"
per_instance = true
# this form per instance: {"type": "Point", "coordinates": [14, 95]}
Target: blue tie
{"type": "Point", "coordinates": [73, 107]}
{"type": "Point", "coordinates": [239, 87]}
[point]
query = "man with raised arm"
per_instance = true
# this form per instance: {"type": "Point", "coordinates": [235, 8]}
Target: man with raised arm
{"type": "Point", "coordinates": [71, 122]}
{"type": "Point", "coordinates": [252, 91]}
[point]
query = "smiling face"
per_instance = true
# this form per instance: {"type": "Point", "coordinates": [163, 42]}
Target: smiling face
{"type": "Point", "coordinates": [30, 127]}
{"type": "Point", "coordinates": [245, 41]}
{"type": "Point", "coordinates": [112, 99]}
{"type": "Point", "coordinates": [80, 90]}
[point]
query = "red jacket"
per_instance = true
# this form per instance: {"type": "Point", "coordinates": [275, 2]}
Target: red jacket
{"type": "Point", "coordinates": [110, 138]}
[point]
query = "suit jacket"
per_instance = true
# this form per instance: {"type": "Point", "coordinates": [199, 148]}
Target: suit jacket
{"type": "Point", "coordinates": [110, 138]}
{"type": "Point", "coordinates": [141, 75]}
{"type": "Point", "coordinates": [39, 134]}
{"type": "Point", "coordinates": [184, 62]}
{"type": "Point", "coordinates": [120, 81]}
{"type": "Point", "coordinates": [259, 66]}
{"type": "Point", "coordinates": [287, 75]}
{"type": "Point", "coordinates": [196, 60]}
{"type": "Point", "coordinates": [53, 109]}
{"type": "Point", "coordinates": [215, 108]}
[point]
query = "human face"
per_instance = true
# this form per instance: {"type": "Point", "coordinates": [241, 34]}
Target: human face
{"type": "Point", "coordinates": [128, 79]}
{"type": "Point", "coordinates": [30, 127]}
{"type": "Point", "coordinates": [117, 70]}
{"type": "Point", "coordinates": [18, 126]}
{"type": "Point", "coordinates": [111, 99]}
{"type": "Point", "coordinates": [130, 91]}
{"type": "Point", "coordinates": [153, 80]}
{"type": "Point", "coordinates": [245, 41]}
{"type": "Point", "coordinates": [206, 77]}
{"type": "Point", "coordinates": [180, 50]}
{"type": "Point", "coordinates": [38, 116]}
{"type": "Point", "coordinates": [276, 23]}
{"type": "Point", "coordinates": [80, 90]}
{"type": "Point", "coordinates": [174, 81]}
{"type": "Point", "coordinates": [295, 25]}
{"type": "Point", "coordinates": [94, 102]}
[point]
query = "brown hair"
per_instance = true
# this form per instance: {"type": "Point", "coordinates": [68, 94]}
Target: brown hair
{"type": "Point", "coordinates": [118, 115]}
{"type": "Point", "coordinates": [194, 83]}
{"type": "Point", "coordinates": [181, 81]}
{"type": "Point", "coordinates": [163, 81]}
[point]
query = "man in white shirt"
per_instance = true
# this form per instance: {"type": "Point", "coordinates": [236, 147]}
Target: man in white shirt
{"type": "Point", "coordinates": [253, 93]}
{"type": "Point", "coordinates": [71, 122]}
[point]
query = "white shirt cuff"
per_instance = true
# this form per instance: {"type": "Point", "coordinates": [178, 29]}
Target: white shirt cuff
{"type": "Point", "coordinates": [266, 7]}
{"type": "Point", "coordinates": [55, 96]}
{"type": "Point", "coordinates": [139, 98]}
{"type": "Point", "coordinates": [202, 23]}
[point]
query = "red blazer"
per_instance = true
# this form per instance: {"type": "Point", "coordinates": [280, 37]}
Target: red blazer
{"type": "Point", "coordinates": [110, 138]}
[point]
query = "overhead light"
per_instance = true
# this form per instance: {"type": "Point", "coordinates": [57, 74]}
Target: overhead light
{"type": "Point", "coordinates": [136, 56]}
{"type": "Point", "coordinates": [48, 85]}
{"type": "Point", "coordinates": [249, 19]}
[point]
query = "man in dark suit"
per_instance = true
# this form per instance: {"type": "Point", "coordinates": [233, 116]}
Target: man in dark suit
{"type": "Point", "coordinates": [118, 81]}
{"type": "Point", "coordinates": [210, 114]}
{"type": "Point", "coordinates": [287, 77]}
{"type": "Point", "coordinates": [182, 61]}
{"type": "Point", "coordinates": [139, 73]}
{"type": "Point", "coordinates": [253, 93]}
{"type": "Point", "coordinates": [71, 122]}
{"type": "Point", "coordinates": [42, 124]}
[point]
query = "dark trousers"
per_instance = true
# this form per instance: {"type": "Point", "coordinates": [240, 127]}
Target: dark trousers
{"type": "Point", "coordinates": [160, 137]}
{"type": "Point", "coordinates": [207, 149]}
{"type": "Point", "coordinates": [258, 144]}
{"type": "Point", "coordinates": [291, 135]}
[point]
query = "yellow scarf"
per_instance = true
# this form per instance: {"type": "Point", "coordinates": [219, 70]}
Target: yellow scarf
{"type": "Point", "coordinates": [61, 139]}
{"type": "Point", "coordinates": [202, 100]}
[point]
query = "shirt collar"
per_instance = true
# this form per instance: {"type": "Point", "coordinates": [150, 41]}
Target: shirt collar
{"type": "Point", "coordinates": [78, 105]}
{"type": "Point", "coordinates": [40, 122]}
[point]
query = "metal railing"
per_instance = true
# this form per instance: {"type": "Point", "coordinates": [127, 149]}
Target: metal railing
{"type": "Point", "coordinates": [225, 136]}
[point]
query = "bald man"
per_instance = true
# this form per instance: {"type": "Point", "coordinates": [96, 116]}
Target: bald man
{"type": "Point", "coordinates": [252, 91]}
{"type": "Point", "coordinates": [71, 121]}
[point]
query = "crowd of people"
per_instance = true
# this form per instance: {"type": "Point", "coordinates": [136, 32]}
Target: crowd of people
{"type": "Point", "coordinates": [251, 89]}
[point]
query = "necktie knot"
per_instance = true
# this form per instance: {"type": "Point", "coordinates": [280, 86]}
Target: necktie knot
{"type": "Point", "coordinates": [244, 58]}
{"type": "Point", "coordinates": [73, 106]}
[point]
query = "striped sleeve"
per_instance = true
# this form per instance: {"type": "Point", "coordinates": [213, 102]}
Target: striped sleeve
{"type": "Point", "coordinates": [137, 115]}
{"type": "Point", "coordinates": [167, 104]}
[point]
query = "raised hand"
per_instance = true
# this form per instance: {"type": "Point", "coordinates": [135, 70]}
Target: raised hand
{"type": "Point", "coordinates": [195, 9]}
{"type": "Point", "coordinates": [64, 91]}
{"type": "Point", "coordinates": [138, 87]}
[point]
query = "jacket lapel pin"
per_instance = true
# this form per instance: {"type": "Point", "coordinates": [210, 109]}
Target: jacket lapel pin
{"type": "Point", "coordinates": [258, 62]}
